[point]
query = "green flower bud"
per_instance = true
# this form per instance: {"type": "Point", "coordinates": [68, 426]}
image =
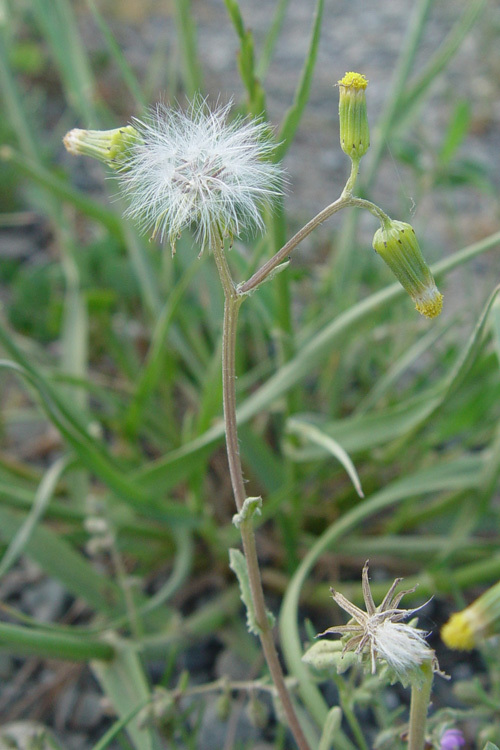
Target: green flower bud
{"type": "Point", "coordinates": [109, 146]}
{"type": "Point", "coordinates": [354, 130]}
{"type": "Point", "coordinates": [397, 244]}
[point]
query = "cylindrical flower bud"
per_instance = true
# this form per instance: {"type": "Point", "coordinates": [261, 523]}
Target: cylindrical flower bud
{"type": "Point", "coordinates": [397, 244]}
{"type": "Point", "coordinates": [354, 130]}
{"type": "Point", "coordinates": [109, 146]}
{"type": "Point", "coordinates": [480, 620]}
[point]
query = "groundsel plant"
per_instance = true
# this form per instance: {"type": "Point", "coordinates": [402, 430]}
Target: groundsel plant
{"type": "Point", "coordinates": [202, 170]}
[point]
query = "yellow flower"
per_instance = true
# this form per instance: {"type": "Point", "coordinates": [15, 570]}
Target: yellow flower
{"type": "Point", "coordinates": [480, 620]}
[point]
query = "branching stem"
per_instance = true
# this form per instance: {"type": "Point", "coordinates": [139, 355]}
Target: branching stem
{"type": "Point", "coordinates": [346, 200]}
{"type": "Point", "coordinates": [233, 297]}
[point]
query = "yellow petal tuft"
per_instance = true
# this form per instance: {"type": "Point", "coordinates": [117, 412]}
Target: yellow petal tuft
{"type": "Point", "coordinates": [457, 633]}
{"type": "Point", "coordinates": [354, 80]}
{"type": "Point", "coordinates": [430, 304]}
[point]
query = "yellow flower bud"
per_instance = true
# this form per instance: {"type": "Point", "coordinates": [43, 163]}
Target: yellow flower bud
{"type": "Point", "coordinates": [480, 620]}
{"type": "Point", "coordinates": [354, 130]}
{"type": "Point", "coordinates": [109, 146]}
{"type": "Point", "coordinates": [397, 244]}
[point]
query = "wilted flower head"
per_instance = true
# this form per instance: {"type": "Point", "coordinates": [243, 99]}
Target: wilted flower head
{"type": "Point", "coordinates": [380, 632]}
{"type": "Point", "coordinates": [196, 168]}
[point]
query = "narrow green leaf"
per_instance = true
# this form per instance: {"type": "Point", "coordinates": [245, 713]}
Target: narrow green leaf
{"type": "Point", "coordinates": [246, 61]}
{"type": "Point", "coordinates": [318, 437]}
{"type": "Point", "coordinates": [152, 370]}
{"type": "Point", "coordinates": [41, 643]}
{"type": "Point", "coordinates": [93, 454]}
{"type": "Point", "coordinates": [396, 369]}
{"type": "Point", "coordinates": [331, 728]}
{"type": "Point", "coordinates": [456, 132]}
{"type": "Point", "coordinates": [59, 560]}
{"type": "Point", "coordinates": [61, 190]}
{"type": "Point", "coordinates": [272, 37]}
{"type": "Point", "coordinates": [59, 26]}
{"type": "Point", "coordinates": [126, 71]}
{"type": "Point", "coordinates": [292, 118]}
{"type": "Point", "coordinates": [124, 682]}
{"type": "Point", "coordinates": [117, 727]}
{"type": "Point", "coordinates": [463, 473]}
{"type": "Point", "coordinates": [363, 432]}
{"type": "Point", "coordinates": [238, 565]}
{"type": "Point", "coordinates": [186, 34]}
{"type": "Point", "coordinates": [417, 89]}
{"type": "Point", "coordinates": [40, 501]}
{"type": "Point", "coordinates": [176, 465]}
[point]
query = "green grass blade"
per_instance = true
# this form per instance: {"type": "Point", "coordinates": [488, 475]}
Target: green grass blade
{"type": "Point", "coordinates": [42, 498]}
{"type": "Point", "coordinates": [444, 476]}
{"type": "Point", "coordinates": [61, 190]}
{"type": "Point", "coordinates": [148, 283]}
{"type": "Point", "coordinates": [91, 453]}
{"type": "Point", "coordinates": [384, 384]}
{"type": "Point", "coordinates": [272, 38]}
{"type": "Point", "coordinates": [364, 432]}
{"type": "Point", "coordinates": [124, 682]}
{"type": "Point", "coordinates": [393, 106]}
{"type": "Point", "coordinates": [246, 61]}
{"type": "Point", "coordinates": [331, 446]}
{"type": "Point", "coordinates": [152, 370]}
{"type": "Point", "coordinates": [58, 24]}
{"type": "Point", "coordinates": [438, 62]}
{"type": "Point", "coordinates": [32, 642]}
{"type": "Point", "coordinates": [176, 465]}
{"type": "Point", "coordinates": [186, 35]}
{"type": "Point", "coordinates": [292, 118]}
{"type": "Point", "coordinates": [117, 727]}
{"type": "Point", "coordinates": [13, 102]}
{"type": "Point", "coordinates": [59, 560]}
{"type": "Point", "coordinates": [126, 71]}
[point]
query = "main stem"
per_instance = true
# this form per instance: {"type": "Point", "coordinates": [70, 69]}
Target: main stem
{"type": "Point", "coordinates": [420, 697]}
{"type": "Point", "coordinates": [232, 304]}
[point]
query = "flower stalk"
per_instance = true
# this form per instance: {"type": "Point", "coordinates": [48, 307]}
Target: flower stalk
{"type": "Point", "coordinates": [232, 302]}
{"type": "Point", "coordinates": [420, 698]}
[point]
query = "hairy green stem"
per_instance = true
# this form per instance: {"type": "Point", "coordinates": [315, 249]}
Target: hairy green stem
{"type": "Point", "coordinates": [231, 308]}
{"type": "Point", "coordinates": [420, 697]}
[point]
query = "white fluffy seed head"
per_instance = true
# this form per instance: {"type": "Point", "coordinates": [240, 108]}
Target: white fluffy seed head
{"type": "Point", "coordinates": [196, 168]}
{"type": "Point", "coordinates": [403, 648]}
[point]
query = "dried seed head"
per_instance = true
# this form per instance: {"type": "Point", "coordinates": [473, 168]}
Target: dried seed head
{"type": "Point", "coordinates": [198, 169]}
{"type": "Point", "coordinates": [379, 633]}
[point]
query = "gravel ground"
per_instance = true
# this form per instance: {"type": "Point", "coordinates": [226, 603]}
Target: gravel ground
{"type": "Point", "coordinates": [364, 36]}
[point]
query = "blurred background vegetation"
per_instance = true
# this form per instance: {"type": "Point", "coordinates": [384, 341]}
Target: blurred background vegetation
{"type": "Point", "coordinates": [113, 477]}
